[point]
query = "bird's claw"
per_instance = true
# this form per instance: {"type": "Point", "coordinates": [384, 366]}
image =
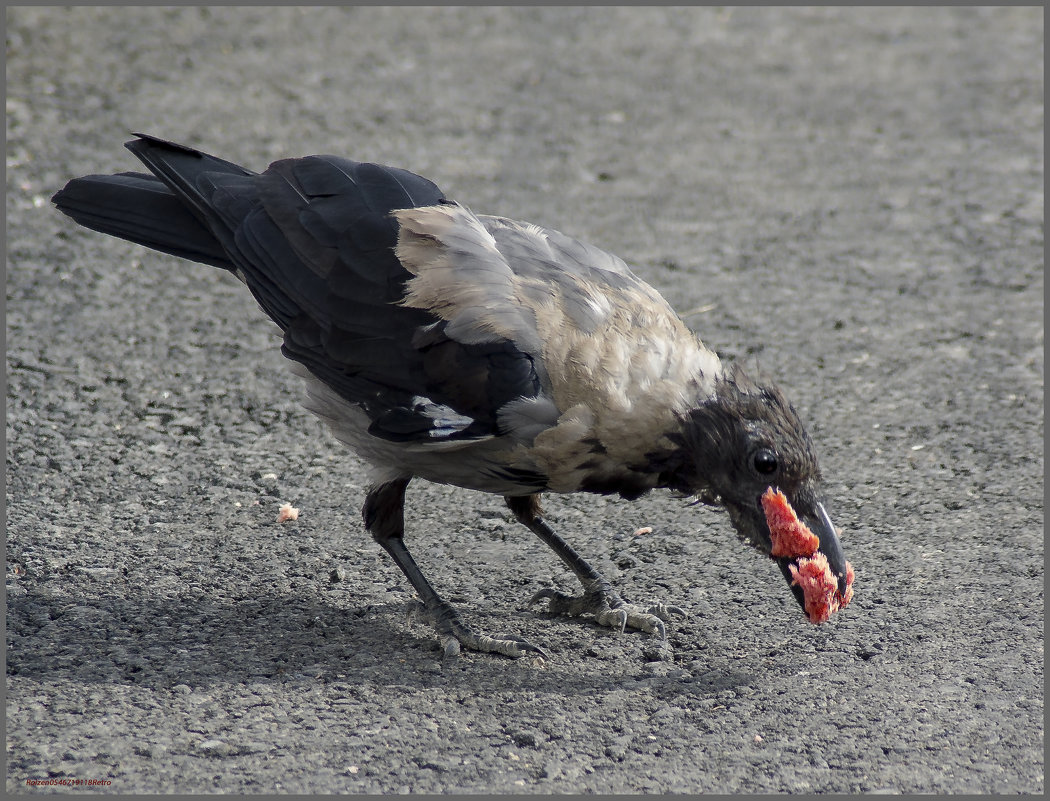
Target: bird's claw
{"type": "Point", "coordinates": [609, 610]}
{"type": "Point", "coordinates": [613, 618]}
{"type": "Point", "coordinates": [665, 611]}
{"type": "Point", "coordinates": [454, 635]}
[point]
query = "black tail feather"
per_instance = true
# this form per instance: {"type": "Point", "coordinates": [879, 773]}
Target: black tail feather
{"type": "Point", "coordinates": [141, 209]}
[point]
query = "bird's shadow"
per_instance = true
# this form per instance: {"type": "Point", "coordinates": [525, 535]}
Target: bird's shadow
{"type": "Point", "coordinates": [162, 643]}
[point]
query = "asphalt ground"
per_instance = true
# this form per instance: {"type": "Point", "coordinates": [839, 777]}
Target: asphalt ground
{"type": "Point", "coordinates": [850, 199]}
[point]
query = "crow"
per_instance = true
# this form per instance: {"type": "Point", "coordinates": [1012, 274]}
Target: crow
{"type": "Point", "coordinates": [480, 352]}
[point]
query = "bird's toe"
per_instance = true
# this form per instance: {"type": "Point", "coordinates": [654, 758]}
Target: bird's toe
{"type": "Point", "coordinates": [610, 611]}
{"type": "Point", "coordinates": [454, 635]}
{"type": "Point", "coordinates": [665, 611]}
{"type": "Point", "coordinates": [617, 619]}
{"type": "Point", "coordinates": [643, 621]}
{"type": "Point", "coordinates": [651, 619]}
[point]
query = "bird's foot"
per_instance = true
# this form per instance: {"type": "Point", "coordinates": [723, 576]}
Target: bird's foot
{"type": "Point", "coordinates": [454, 634]}
{"type": "Point", "coordinates": [610, 610]}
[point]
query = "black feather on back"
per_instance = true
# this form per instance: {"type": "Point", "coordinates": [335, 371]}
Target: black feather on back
{"type": "Point", "coordinates": [314, 240]}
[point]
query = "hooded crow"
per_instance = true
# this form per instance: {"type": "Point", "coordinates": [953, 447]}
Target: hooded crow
{"type": "Point", "coordinates": [485, 353]}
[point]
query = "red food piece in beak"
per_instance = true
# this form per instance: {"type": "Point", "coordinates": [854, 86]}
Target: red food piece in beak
{"type": "Point", "coordinates": [809, 570]}
{"type": "Point", "coordinates": [820, 588]}
{"type": "Point", "coordinates": [791, 537]}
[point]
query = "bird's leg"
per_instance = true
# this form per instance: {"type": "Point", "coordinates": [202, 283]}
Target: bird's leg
{"type": "Point", "coordinates": [384, 514]}
{"type": "Point", "coordinates": [598, 599]}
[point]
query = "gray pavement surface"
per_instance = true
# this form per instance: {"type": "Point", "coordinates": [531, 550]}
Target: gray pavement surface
{"type": "Point", "coordinates": [852, 199]}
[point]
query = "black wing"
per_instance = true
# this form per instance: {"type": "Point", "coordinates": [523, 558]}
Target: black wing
{"type": "Point", "coordinates": [313, 239]}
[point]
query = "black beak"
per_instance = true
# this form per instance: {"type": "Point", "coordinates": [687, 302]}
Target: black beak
{"type": "Point", "coordinates": [820, 524]}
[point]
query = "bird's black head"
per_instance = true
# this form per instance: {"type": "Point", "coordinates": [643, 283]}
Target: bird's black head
{"type": "Point", "coordinates": [744, 440]}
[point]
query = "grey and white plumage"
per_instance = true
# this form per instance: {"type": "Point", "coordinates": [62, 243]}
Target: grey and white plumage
{"type": "Point", "coordinates": [471, 350]}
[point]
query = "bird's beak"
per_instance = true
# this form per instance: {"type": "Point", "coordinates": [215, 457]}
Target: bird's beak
{"type": "Point", "coordinates": [801, 538]}
{"type": "Point", "coordinates": [818, 521]}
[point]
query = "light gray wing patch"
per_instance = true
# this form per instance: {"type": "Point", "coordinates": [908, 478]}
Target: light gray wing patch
{"type": "Point", "coordinates": [490, 277]}
{"type": "Point", "coordinates": [552, 269]}
{"type": "Point", "coordinates": [526, 418]}
{"type": "Point", "coordinates": [460, 275]}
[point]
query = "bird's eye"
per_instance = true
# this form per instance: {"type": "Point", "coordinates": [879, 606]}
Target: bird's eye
{"type": "Point", "coordinates": [765, 461]}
